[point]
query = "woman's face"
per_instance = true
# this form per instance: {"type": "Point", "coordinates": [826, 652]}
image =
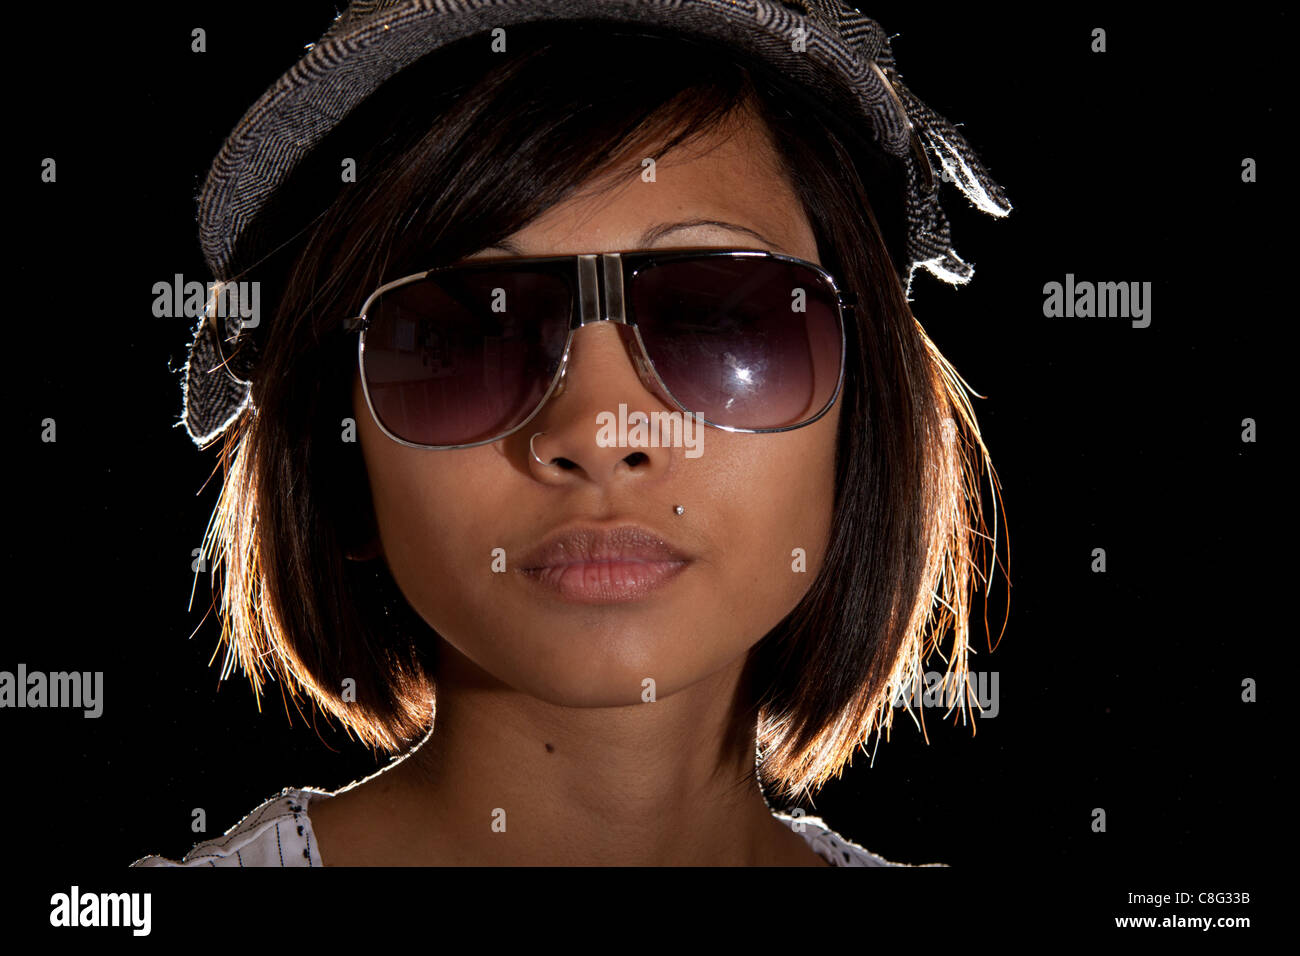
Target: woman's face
{"type": "Point", "coordinates": [750, 500]}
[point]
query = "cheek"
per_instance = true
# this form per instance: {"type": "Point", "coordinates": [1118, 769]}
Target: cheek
{"type": "Point", "coordinates": [437, 512]}
{"type": "Point", "coordinates": [439, 515]}
{"type": "Point", "coordinates": [416, 497]}
{"type": "Point", "coordinates": [776, 506]}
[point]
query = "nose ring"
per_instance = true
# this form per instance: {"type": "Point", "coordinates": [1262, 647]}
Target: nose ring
{"type": "Point", "coordinates": [532, 452]}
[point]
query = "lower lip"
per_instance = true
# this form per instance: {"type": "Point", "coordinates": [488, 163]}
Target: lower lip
{"type": "Point", "coordinates": [601, 582]}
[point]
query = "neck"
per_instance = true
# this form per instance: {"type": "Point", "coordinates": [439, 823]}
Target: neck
{"type": "Point", "coordinates": [507, 779]}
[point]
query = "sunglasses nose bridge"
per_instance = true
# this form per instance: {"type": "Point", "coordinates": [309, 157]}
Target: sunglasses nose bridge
{"type": "Point", "coordinates": [600, 299]}
{"type": "Point", "coordinates": [600, 289]}
{"type": "Point", "coordinates": [633, 348]}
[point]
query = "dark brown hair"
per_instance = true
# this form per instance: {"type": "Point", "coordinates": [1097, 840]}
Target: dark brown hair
{"type": "Point", "coordinates": [459, 152]}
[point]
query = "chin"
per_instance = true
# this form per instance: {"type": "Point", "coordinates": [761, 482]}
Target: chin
{"type": "Point", "coordinates": [595, 669]}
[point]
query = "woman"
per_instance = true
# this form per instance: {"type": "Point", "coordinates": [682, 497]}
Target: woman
{"type": "Point", "coordinates": [589, 647]}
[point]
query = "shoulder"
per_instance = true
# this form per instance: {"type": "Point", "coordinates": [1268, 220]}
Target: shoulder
{"type": "Point", "coordinates": [275, 833]}
{"type": "Point", "coordinates": [831, 846]}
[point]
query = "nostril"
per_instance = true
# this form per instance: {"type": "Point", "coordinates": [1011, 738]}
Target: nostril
{"type": "Point", "coordinates": [636, 458]}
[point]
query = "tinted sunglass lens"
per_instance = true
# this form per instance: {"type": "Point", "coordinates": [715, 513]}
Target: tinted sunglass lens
{"type": "Point", "coordinates": [747, 342]}
{"type": "Point", "coordinates": [461, 357]}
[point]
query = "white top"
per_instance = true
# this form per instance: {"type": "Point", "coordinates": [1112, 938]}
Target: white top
{"type": "Point", "coordinates": [279, 833]}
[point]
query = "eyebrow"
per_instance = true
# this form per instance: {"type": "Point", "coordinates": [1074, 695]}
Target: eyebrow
{"type": "Point", "coordinates": [655, 233]}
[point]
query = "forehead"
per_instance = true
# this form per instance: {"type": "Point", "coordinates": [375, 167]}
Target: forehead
{"type": "Point", "coordinates": [728, 175]}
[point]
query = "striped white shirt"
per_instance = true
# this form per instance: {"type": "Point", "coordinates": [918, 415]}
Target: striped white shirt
{"type": "Point", "coordinates": [279, 833]}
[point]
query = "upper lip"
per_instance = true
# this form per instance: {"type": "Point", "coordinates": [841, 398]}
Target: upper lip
{"type": "Point", "coordinates": [589, 543]}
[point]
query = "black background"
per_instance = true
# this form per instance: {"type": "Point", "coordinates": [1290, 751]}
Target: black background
{"type": "Point", "coordinates": [1119, 690]}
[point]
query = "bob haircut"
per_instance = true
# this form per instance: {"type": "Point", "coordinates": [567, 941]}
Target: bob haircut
{"type": "Point", "coordinates": [452, 161]}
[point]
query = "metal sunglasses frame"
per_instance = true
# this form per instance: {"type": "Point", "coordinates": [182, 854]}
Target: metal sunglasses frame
{"type": "Point", "coordinates": [600, 297]}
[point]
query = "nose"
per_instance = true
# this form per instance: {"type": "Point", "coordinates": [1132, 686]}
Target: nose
{"type": "Point", "coordinates": [605, 370]}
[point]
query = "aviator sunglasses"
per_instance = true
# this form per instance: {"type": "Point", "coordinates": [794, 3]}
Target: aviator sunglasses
{"type": "Point", "coordinates": [466, 354]}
